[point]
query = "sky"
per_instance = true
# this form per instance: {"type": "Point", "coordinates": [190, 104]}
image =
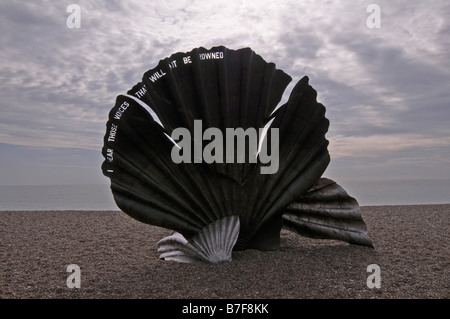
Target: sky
{"type": "Point", "coordinates": [386, 90]}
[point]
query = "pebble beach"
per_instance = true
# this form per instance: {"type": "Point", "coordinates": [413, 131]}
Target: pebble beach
{"type": "Point", "coordinates": [117, 257]}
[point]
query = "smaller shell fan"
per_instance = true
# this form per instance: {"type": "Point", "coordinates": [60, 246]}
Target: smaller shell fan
{"type": "Point", "coordinates": [326, 211]}
{"type": "Point", "coordinates": [199, 147]}
{"type": "Point", "coordinates": [208, 245]}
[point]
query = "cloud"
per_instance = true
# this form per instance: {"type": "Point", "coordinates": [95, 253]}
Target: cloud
{"type": "Point", "coordinates": [379, 145]}
{"type": "Point", "coordinates": [383, 88]}
{"type": "Point", "coordinates": [22, 165]}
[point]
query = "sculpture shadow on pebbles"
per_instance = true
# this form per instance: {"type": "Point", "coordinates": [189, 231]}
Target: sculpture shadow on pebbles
{"type": "Point", "coordinates": [200, 147]}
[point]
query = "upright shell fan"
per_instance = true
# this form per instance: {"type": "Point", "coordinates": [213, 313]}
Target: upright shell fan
{"type": "Point", "coordinates": [199, 147]}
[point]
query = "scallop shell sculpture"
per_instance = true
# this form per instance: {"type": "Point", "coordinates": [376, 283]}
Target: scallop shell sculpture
{"type": "Point", "coordinates": [172, 163]}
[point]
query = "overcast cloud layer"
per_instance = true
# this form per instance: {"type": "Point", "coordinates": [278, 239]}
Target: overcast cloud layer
{"type": "Point", "coordinates": [386, 90]}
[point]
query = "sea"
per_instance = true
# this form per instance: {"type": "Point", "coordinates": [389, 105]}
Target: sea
{"type": "Point", "coordinates": [99, 197]}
